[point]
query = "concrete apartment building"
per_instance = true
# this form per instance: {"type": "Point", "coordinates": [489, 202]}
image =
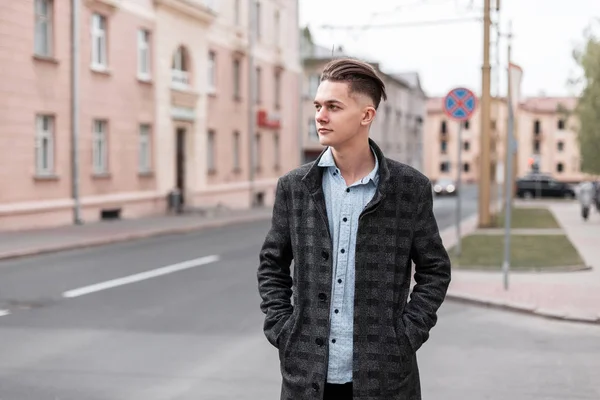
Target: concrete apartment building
{"type": "Point", "coordinates": [398, 127]}
{"type": "Point", "coordinates": [544, 134]}
{"type": "Point", "coordinates": [155, 110]}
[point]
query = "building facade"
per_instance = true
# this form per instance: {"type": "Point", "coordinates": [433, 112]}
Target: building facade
{"type": "Point", "coordinates": [545, 134]}
{"type": "Point", "coordinates": [399, 124]}
{"type": "Point", "coordinates": [157, 108]}
{"type": "Point", "coordinates": [252, 141]}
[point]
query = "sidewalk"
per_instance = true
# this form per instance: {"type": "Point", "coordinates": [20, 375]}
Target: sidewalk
{"type": "Point", "coordinates": [571, 296]}
{"type": "Point", "coordinates": [27, 243]}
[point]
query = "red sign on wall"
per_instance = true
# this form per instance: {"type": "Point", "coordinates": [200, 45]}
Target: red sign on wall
{"type": "Point", "coordinates": [264, 119]}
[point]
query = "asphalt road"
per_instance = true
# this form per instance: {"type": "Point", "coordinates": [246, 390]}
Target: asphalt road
{"type": "Point", "coordinates": [177, 318]}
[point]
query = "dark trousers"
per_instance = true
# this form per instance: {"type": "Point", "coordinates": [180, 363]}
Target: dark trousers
{"type": "Point", "coordinates": [338, 392]}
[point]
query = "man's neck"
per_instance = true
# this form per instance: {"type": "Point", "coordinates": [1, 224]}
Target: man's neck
{"type": "Point", "coordinates": [354, 161]}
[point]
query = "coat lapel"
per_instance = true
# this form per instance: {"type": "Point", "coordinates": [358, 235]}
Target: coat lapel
{"type": "Point", "coordinates": [313, 183]}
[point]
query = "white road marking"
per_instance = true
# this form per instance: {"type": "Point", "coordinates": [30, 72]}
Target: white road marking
{"type": "Point", "coordinates": [169, 269]}
{"type": "Point", "coordinates": [4, 312]}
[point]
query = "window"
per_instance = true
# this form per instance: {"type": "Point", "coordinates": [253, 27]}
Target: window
{"type": "Point", "coordinates": [276, 148]}
{"type": "Point", "coordinates": [210, 152]}
{"type": "Point", "coordinates": [536, 127]}
{"type": "Point", "coordinates": [258, 84]}
{"type": "Point", "coordinates": [257, 152]}
{"type": "Point", "coordinates": [43, 28]}
{"type": "Point", "coordinates": [493, 124]}
{"type": "Point", "coordinates": [236, 12]}
{"type": "Point", "coordinates": [561, 124]}
{"type": "Point", "coordinates": [145, 156]}
{"type": "Point", "coordinates": [312, 129]}
{"type": "Point", "coordinates": [99, 59]}
{"type": "Point", "coordinates": [236, 151]}
{"type": "Point", "coordinates": [257, 20]}
{"type": "Point", "coordinates": [313, 84]}
{"type": "Point", "coordinates": [236, 80]}
{"type": "Point", "coordinates": [467, 146]}
{"type": "Point", "coordinates": [536, 147]}
{"type": "Point", "coordinates": [466, 125]}
{"type": "Point", "coordinates": [445, 166]}
{"type": "Point", "coordinates": [444, 127]}
{"type": "Point", "coordinates": [179, 69]}
{"type": "Point", "coordinates": [466, 167]}
{"type": "Point", "coordinates": [44, 145]}
{"type": "Point", "coordinates": [444, 147]}
{"type": "Point", "coordinates": [99, 148]}
{"type": "Point", "coordinates": [212, 72]}
{"type": "Point", "coordinates": [560, 167]}
{"type": "Point", "coordinates": [560, 146]}
{"type": "Point", "coordinates": [277, 28]}
{"type": "Point", "coordinates": [277, 89]}
{"type": "Point", "coordinates": [144, 54]}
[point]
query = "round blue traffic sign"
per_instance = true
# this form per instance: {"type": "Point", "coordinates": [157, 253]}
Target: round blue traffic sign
{"type": "Point", "coordinates": [460, 104]}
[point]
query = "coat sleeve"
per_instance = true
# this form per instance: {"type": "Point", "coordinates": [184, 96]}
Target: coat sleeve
{"type": "Point", "coordinates": [274, 278]}
{"type": "Point", "coordinates": [432, 273]}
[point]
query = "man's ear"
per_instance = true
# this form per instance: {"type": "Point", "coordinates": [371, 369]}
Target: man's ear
{"type": "Point", "coordinates": [368, 115]}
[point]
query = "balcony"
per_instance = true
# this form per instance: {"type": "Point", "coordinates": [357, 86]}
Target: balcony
{"type": "Point", "coordinates": [180, 79]}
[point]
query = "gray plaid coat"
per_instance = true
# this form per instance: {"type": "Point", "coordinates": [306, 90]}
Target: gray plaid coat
{"type": "Point", "coordinates": [397, 227]}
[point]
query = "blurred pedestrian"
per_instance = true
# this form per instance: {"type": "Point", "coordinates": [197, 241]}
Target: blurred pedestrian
{"type": "Point", "coordinates": [353, 222]}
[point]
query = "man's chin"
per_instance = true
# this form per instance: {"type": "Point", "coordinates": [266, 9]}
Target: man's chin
{"type": "Point", "coordinates": [325, 141]}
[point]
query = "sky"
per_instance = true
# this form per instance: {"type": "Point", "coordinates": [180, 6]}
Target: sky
{"type": "Point", "coordinates": [450, 54]}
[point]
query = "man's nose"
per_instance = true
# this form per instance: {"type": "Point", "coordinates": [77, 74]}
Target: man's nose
{"type": "Point", "coordinates": [321, 115]}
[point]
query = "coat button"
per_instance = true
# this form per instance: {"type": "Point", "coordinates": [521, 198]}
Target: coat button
{"type": "Point", "coordinates": [322, 296]}
{"type": "Point", "coordinates": [319, 342]}
{"type": "Point", "coordinates": [315, 387]}
{"type": "Point", "coordinates": [325, 255]}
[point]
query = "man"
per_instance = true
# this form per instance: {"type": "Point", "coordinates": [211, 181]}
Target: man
{"type": "Point", "coordinates": [353, 222]}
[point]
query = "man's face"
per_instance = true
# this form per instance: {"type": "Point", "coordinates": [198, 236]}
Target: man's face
{"type": "Point", "coordinates": [339, 115]}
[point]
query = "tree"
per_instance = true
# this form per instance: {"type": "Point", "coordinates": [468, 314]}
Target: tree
{"type": "Point", "coordinates": [587, 110]}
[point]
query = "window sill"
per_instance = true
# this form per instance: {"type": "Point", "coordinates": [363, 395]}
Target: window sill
{"type": "Point", "coordinates": [212, 172]}
{"type": "Point", "coordinates": [45, 59]}
{"type": "Point", "coordinates": [100, 70]}
{"type": "Point", "coordinates": [144, 79]}
{"type": "Point", "coordinates": [45, 177]}
{"type": "Point", "coordinates": [101, 175]}
{"type": "Point", "coordinates": [146, 174]}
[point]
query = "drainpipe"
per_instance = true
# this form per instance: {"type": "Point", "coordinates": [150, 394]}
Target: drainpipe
{"type": "Point", "coordinates": [251, 95]}
{"type": "Point", "coordinates": [300, 95]}
{"type": "Point", "coordinates": [75, 111]}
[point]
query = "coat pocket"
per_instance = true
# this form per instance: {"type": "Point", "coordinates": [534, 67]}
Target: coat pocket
{"type": "Point", "coordinates": [284, 334]}
{"type": "Point", "coordinates": [402, 338]}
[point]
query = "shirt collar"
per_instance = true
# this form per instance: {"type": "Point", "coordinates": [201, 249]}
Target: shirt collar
{"type": "Point", "coordinates": [327, 161]}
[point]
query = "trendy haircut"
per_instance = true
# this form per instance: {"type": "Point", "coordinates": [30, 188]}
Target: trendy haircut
{"type": "Point", "coordinates": [360, 76]}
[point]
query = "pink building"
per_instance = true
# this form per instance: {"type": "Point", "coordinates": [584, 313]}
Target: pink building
{"type": "Point", "coordinates": [545, 134]}
{"type": "Point", "coordinates": [163, 104]}
{"type": "Point", "coordinates": [266, 125]}
{"type": "Point", "coordinates": [115, 112]}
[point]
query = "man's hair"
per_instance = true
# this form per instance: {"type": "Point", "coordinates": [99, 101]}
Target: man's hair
{"type": "Point", "coordinates": [360, 76]}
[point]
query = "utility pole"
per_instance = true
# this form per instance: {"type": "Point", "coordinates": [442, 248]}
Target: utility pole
{"type": "Point", "coordinates": [75, 111]}
{"type": "Point", "coordinates": [251, 100]}
{"type": "Point", "coordinates": [485, 167]}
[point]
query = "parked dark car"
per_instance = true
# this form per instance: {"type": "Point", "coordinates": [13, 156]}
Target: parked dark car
{"type": "Point", "coordinates": [542, 185]}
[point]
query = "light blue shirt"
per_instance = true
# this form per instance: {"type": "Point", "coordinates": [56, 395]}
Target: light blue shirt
{"type": "Point", "coordinates": [344, 206]}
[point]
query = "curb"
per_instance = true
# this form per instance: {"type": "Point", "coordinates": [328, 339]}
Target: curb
{"type": "Point", "coordinates": [522, 308]}
{"type": "Point", "coordinates": [126, 237]}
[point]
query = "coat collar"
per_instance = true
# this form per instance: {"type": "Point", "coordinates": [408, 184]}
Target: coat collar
{"type": "Point", "coordinates": [313, 178]}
